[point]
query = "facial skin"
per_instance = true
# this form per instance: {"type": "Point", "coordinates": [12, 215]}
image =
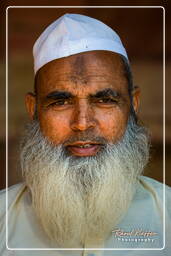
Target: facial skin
{"type": "Point", "coordinates": [81, 97]}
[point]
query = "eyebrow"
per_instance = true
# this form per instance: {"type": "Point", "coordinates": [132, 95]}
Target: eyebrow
{"type": "Point", "coordinates": [108, 92]}
{"type": "Point", "coordinates": [59, 95]}
{"type": "Point", "coordinates": [105, 93]}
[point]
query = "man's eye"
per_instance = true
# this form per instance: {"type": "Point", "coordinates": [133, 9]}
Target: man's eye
{"type": "Point", "coordinates": [107, 100]}
{"type": "Point", "coordinates": [61, 102]}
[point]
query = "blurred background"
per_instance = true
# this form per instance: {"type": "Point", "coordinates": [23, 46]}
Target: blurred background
{"type": "Point", "coordinates": [141, 30]}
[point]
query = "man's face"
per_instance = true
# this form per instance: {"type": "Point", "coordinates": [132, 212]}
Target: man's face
{"type": "Point", "coordinates": [82, 101]}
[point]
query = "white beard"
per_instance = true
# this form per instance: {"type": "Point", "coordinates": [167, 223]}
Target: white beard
{"type": "Point", "coordinates": [80, 200]}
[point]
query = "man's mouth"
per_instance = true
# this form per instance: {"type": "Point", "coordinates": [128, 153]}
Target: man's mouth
{"type": "Point", "coordinates": [84, 148]}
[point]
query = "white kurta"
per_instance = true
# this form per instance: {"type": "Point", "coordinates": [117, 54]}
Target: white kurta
{"type": "Point", "coordinates": [141, 230]}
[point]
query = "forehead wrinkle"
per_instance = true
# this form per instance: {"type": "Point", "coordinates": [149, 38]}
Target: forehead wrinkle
{"type": "Point", "coordinates": [81, 71]}
{"type": "Point", "coordinates": [77, 88]}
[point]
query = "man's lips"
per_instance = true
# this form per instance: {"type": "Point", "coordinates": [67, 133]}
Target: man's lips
{"type": "Point", "coordinates": [86, 148]}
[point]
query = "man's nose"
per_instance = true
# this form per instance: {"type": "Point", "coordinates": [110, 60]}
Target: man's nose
{"type": "Point", "coordinates": [83, 117]}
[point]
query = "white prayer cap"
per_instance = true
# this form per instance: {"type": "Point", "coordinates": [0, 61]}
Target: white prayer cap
{"type": "Point", "coordinates": [72, 34]}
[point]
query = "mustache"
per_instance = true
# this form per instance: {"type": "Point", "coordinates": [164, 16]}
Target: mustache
{"type": "Point", "coordinates": [85, 136]}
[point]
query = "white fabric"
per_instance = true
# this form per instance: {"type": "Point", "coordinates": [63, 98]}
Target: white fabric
{"type": "Point", "coordinates": [145, 214]}
{"type": "Point", "coordinates": [72, 34]}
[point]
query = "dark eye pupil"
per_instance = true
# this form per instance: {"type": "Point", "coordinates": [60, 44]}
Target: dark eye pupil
{"type": "Point", "coordinates": [61, 102]}
{"type": "Point", "coordinates": [106, 100]}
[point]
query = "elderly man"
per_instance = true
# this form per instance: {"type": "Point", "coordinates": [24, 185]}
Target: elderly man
{"type": "Point", "coordinates": [83, 152]}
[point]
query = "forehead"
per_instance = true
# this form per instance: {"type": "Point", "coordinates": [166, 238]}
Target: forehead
{"type": "Point", "coordinates": [83, 73]}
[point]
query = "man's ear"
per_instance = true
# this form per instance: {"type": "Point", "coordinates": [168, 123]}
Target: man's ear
{"type": "Point", "coordinates": [136, 98]}
{"type": "Point", "coordinates": [30, 102]}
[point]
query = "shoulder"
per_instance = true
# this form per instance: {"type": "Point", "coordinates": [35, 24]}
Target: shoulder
{"type": "Point", "coordinates": [11, 194]}
{"type": "Point", "coordinates": [154, 185]}
{"type": "Point", "coordinates": [159, 192]}
{"type": "Point", "coordinates": [12, 191]}
{"type": "Point", "coordinates": [8, 196]}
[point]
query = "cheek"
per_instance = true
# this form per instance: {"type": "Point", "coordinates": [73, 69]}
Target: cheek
{"type": "Point", "coordinates": [112, 124]}
{"type": "Point", "coordinates": [54, 126]}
